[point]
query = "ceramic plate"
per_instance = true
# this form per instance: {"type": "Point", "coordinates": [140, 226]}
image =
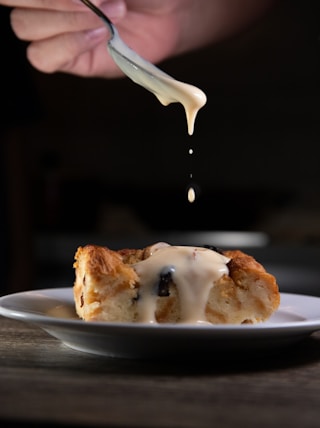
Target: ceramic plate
{"type": "Point", "coordinates": [53, 310]}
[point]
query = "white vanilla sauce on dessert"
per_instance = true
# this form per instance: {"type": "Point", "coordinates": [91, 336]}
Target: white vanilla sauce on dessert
{"type": "Point", "coordinates": [194, 271]}
{"type": "Point", "coordinates": [167, 89]}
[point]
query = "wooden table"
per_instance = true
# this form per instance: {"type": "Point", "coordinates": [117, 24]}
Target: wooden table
{"type": "Point", "coordinates": [46, 383]}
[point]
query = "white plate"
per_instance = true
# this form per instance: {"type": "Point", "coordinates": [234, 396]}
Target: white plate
{"type": "Point", "coordinates": [53, 310]}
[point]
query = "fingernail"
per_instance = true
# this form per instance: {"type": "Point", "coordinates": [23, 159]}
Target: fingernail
{"type": "Point", "coordinates": [114, 9]}
{"type": "Point", "coordinates": [98, 34]}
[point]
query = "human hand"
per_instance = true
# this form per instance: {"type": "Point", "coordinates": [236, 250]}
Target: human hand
{"type": "Point", "coordinates": [66, 36]}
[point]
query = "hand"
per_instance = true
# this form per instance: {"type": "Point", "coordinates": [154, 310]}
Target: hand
{"type": "Point", "coordinates": [66, 36]}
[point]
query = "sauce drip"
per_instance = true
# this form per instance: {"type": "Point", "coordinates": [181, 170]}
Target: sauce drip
{"type": "Point", "coordinates": [191, 195]}
{"type": "Point", "coordinates": [167, 89]}
{"type": "Point", "coordinates": [194, 271]}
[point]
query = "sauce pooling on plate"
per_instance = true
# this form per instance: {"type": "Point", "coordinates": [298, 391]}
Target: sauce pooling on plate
{"type": "Point", "coordinates": [167, 89]}
{"type": "Point", "coordinates": [193, 270]}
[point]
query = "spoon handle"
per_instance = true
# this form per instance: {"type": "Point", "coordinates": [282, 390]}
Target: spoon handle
{"type": "Point", "coordinates": [101, 15]}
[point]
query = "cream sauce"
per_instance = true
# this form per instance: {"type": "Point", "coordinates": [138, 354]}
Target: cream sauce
{"type": "Point", "coordinates": [167, 89]}
{"type": "Point", "coordinates": [62, 311]}
{"type": "Point", "coordinates": [191, 195]}
{"type": "Point", "coordinates": [194, 271]}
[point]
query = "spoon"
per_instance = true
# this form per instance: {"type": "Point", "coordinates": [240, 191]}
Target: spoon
{"type": "Point", "coordinates": [167, 89]}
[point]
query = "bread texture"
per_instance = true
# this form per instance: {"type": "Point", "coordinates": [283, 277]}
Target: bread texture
{"type": "Point", "coordinates": [109, 284]}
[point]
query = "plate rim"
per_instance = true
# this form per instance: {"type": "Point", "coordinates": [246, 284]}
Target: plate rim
{"type": "Point", "coordinates": [305, 325]}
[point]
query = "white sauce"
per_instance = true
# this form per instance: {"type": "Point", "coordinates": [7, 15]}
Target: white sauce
{"type": "Point", "coordinates": [164, 87]}
{"type": "Point", "coordinates": [191, 190]}
{"type": "Point", "coordinates": [191, 195]}
{"type": "Point", "coordinates": [62, 311]}
{"type": "Point", "coordinates": [194, 270]}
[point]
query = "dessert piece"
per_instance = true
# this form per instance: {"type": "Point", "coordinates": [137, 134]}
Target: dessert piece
{"type": "Point", "coordinates": [172, 284]}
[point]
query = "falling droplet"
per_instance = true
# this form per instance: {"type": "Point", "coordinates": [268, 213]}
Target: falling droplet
{"type": "Point", "coordinates": [191, 190]}
{"type": "Point", "coordinates": [191, 195]}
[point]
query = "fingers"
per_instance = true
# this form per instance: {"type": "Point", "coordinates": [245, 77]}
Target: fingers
{"type": "Point", "coordinates": [61, 52]}
{"type": "Point", "coordinates": [36, 24]}
{"type": "Point", "coordinates": [113, 7]}
{"type": "Point", "coordinates": [31, 24]}
{"type": "Point", "coordinates": [66, 40]}
{"type": "Point", "coordinates": [66, 5]}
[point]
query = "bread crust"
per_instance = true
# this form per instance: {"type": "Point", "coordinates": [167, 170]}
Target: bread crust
{"type": "Point", "coordinates": [106, 288]}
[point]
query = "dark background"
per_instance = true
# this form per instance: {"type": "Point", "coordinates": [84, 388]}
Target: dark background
{"type": "Point", "coordinates": [92, 157]}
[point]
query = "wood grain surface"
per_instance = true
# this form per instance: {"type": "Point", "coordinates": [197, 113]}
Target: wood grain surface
{"type": "Point", "coordinates": [42, 382]}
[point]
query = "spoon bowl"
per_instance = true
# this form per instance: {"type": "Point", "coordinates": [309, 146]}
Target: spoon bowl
{"type": "Point", "coordinates": [167, 89]}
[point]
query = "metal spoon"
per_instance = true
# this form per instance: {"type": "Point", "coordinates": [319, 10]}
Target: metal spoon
{"type": "Point", "coordinates": [164, 87]}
